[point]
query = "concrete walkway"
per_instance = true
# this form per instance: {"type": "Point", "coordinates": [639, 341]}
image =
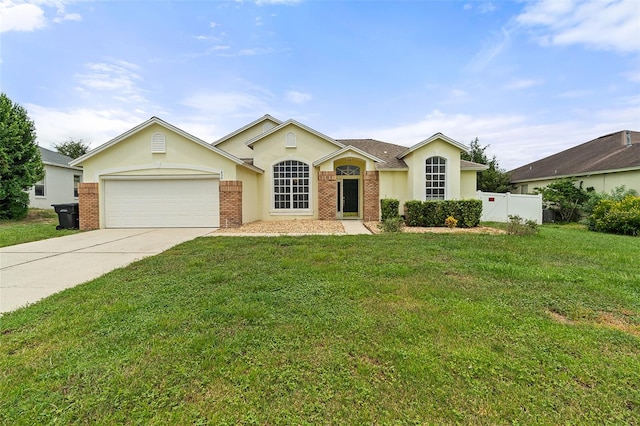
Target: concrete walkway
{"type": "Point", "coordinates": [354, 227]}
{"type": "Point", "coordinates": [32, 271]}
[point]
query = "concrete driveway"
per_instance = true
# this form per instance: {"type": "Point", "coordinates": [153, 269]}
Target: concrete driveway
{"type": "Point", "coordinates": [32, 271]}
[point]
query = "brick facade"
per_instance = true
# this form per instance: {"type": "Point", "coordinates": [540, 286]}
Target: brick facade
{"type": "Point", "coordinates": [89, 206]}
{"type": "Point", "coordinates": [371, 196]}
{"type": "Point", "coordinates": [230, 203]}
{"type": "Point", "coordinates": [327, 196]}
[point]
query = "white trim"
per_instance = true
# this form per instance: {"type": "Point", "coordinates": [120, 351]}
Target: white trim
{"type": "Point", "coordinates": [248, 126]}
{"type": "Point", "coordinates": [170, 127]}
{"type": "Point", "coordinates": [161, 166]}
{"type": "Point", "coordinates": [250, 142]}
{"type": "Point", "coordinates": [578, 175]}
{"type": "Point", "coordinates": [431, 139]}
{"type": "Point", "coordinates": [346, 149]}
{"type": "Point", "coordinates": [158, 177]}
{"type": "Point", "coordinates": [48, 163]}
{"type": "Point", "coordinates": [290, 212]}
{"type": "Point", "coordinates": [447, 176]}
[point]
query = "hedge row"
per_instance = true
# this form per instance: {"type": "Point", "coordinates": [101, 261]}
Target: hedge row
{"type": "Point", "coordinates": [389, 208]}
{"type": "Point", "coordinates": [434, 213]}
{"type": "Point", "coordinates": [617, 217]}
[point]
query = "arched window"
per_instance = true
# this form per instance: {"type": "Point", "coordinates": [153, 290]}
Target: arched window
{"type": "Point", "coordinates": [436, 178]}
{"type": "Point", "coordinates": [291, 188]}
{"type": "Point", "coordinates": [348, 170]}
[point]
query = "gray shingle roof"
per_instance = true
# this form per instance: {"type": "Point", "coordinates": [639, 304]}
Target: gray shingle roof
{"type": "Point", "coordinates": [54, 158]}
{"type": "Point", "coordinates": [383, 150]}
{"type": "Point", "coordinates": [609, 152]}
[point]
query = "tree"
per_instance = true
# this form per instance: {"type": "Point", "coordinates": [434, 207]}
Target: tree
{"type": "Point", "coordinates": [494, 179]}
{"type": "Point", "coordinates": [20, 163]}
{"type": "Point", "coordinates": [564, 197]}
{"type": "Point", "coordinates": [73, 148]}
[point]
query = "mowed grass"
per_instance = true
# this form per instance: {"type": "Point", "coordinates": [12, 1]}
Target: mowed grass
{"type": "Point", "coordinates": [386, 329]}
{"type": "Point", "coordinates": [40, 224]}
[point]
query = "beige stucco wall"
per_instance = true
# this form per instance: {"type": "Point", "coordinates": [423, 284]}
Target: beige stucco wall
{"type": "Point", "coordinates": [468, 184]}
{"type": "Point", "coordinates": [604, 182]}
{"type": "Point", "coordinates": [393, 184]}
{"type": "Point", "coordinates": [235, 145]}
{"type": "Point", "coordinates": [271, 150]}
{"type": "Point", "coordinates": [416, 162]}
{"type": "Point", "coordinates": [252, 199]}
{"type": "Point", "coordinates": [133, 156]}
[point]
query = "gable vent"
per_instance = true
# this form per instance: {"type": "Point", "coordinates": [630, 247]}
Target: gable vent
{"type": "Point", "coordinates": [290, 140]}
{"type": "Point", "coordinates": [158, 143]}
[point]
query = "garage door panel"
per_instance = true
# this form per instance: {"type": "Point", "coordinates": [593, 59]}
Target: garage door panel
{"type": "Point", "coordinates": [162, 203]}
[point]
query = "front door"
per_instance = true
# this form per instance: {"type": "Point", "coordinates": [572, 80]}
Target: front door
{"type": "Point", "coordinates": [350, 200]}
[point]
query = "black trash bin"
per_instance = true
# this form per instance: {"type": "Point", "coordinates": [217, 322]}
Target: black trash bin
{"type": "Point", "coordinates": [67, 215]}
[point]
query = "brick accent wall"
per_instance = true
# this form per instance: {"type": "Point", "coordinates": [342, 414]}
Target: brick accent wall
{"type": "Point", "coordinates": [327, 196]}
{"type": "Point", "coordinates": [230, 203]}
{"type": "Point", "coordinates": [88, 206]}
{"type": "Point", "coordinates": [371, 196]}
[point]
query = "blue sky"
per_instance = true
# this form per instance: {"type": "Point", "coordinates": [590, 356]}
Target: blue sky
{"type": "Point", "coordinates": [528, 78]}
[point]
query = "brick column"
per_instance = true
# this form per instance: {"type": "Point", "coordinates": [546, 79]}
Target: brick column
{"type": "Point", "coordinates": [89, 206]}
{"type": "Point", "coordinates": [230, 203]}
{"type": "Point", "coordinates": [371, 196]}
{"type": "Point", "coordinates": [327, 196]}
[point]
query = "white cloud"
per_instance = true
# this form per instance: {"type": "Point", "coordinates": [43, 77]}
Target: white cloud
{"type": "Point", "coordinates": [276, 2]}
{"type": "Point", "coordinates": [600, 24]}
{"type": "Point", "coordinates": [31, 15]}
{"type": "Point", "coordinates": [213, 25]}
{"type": "Point", "coordinates": [486, 7]}
{"type": "Point", "coordinates": [515, 139]}
{"type": "Point", "coordinates": [95, 126]}
{"type": "Point", "coordinates": [296, 97]}
{"type": "Point", "coordinates": [490, 50]}
{"type": "Point", "coordinates": [21, 17]}
{"type": "Point", "coordinates": [119, 77]}
{"type": "Point", "coordinates": [231, 103]}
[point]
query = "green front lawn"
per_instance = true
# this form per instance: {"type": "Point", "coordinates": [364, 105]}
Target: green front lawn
{"type": "Point", "coordinates": [386, 329]}
{"type": "Point", "coordinates": [39, 224]}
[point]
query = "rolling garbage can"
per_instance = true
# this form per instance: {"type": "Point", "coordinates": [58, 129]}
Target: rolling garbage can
{"type": "Point", "coordinates": [67, 215]}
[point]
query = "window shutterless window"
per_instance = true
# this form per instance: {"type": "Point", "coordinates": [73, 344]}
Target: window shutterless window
{"type": "Point", "coordinates": [291, 185]}
{"type": "Point", "coordinates": [76, 184]}
{"type": "Point", "coordinates": [435, 178]}
{"type": "Point", "coordinates": [39, 188]}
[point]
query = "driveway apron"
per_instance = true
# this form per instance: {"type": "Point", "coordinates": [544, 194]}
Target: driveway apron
{"type": "Point", "coordinates": [32, 271]}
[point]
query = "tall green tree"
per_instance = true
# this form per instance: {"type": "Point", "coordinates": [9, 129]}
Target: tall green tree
{"type": "Point", "coordinates": [73, 148]}
{"type": "Point", "coordinates": [20, 163]}
{"type": "Point", "coordinates": [494, 179]}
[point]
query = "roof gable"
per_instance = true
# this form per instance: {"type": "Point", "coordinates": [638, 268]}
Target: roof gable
{"type": "Point", "coordinates": [606, 153]}
{"type": "Point", "coordinates": [262, 119]}
{"type": "Point", "coordinates": [55, 158]}
{"type": "Point", "coordinates": [251, 142]}
{"type": "Point", "coordinates": [347, 149]}
{"type": "Point", "coordinates": [437, 136]}
{"type": "Point", "coordinates": [170, 127]}
{"type": "Point", "coordinates": [388, 152]}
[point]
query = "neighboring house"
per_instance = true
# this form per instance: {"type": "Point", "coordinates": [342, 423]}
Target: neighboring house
{"type": "Point", "coordinates": [157, 175]}
{"type": "Point", "coordinates": [602, 164]}
{"type": "Point", "coordinates": [60, 183]}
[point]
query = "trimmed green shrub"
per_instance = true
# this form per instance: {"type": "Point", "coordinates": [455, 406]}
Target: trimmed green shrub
{"type": "Point", "coordinates": [617, 217]}
{"type": "Point", "coordinates": [389, 208]}
{"type": "Point", "coordinates": [435, 213]}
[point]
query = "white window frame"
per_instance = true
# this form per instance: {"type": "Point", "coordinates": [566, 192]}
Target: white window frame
{"type": "Point", "coordinates": [76, 185]}
{"type": "Point", "coordinates": [437, 177]}
{"type": "Point", "coordinates": [287, 182]}
{"type": "Point", "coordinates": [43, 183]}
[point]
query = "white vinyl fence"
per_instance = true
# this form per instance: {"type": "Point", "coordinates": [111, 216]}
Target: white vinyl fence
{"type": "Point", "coordinates": [498, 207]}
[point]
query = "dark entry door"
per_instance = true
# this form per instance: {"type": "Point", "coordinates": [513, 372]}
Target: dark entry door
{"type": "Point", "coordinates": [350, 194]}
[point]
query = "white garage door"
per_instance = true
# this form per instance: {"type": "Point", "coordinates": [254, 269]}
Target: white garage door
{"type": "Point", "coordinates": [162, 203]}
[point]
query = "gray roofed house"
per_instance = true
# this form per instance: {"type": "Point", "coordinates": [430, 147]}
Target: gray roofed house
{"type": "Point", "coordinates": [603, 164]}
{"type": "Point", "coordinates": [60, 184]}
